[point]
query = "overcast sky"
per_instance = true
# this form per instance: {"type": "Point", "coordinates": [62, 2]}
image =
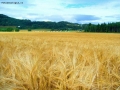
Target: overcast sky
{"type": "Point", "coordinates": [76, 11]}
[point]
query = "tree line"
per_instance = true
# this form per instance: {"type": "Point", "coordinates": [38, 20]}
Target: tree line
{"type": "Point", "coordinates": [109, 27]}
{"type": "Point", "coordinates": [9, 29]}
{"type": "Point", "coordinates": [56, 26]}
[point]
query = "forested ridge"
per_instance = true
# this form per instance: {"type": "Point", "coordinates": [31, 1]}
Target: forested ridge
{"type": "Point", "coordinates": [56, 26]}
{"type": "Point", "coordinates": [25, 24]}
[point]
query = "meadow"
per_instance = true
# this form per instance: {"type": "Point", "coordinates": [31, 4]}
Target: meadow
{"type": "Point", "coordinates": [59, 61]}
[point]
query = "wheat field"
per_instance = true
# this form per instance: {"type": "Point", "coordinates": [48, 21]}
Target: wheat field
{"type": "Point", "coordinates": [59, 61]}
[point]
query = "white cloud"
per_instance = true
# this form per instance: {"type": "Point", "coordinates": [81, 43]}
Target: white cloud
{"type": "Point", "coordinates": [57, 10]}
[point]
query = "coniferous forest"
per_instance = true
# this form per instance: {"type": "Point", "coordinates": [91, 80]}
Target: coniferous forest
{"type": "Point", "coordinates": [12, 23]}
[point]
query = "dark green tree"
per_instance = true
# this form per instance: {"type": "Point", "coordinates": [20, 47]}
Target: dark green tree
{"type": "Point", "coordinates": [29, 29]}
{"type": "Point", "coordinates": [10, 29]}
{"type": "Point", "coordinates": [17, 29]}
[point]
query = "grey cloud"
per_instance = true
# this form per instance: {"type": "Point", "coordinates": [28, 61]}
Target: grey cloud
{"type": "Point", "coordinates": [85, 17]}
{"type": "Point", "coordinates": [114, 16]}
{"type": "Point", "coordinates": [55, 17]}
{"type": "Point", "coordinates": [118, 17]}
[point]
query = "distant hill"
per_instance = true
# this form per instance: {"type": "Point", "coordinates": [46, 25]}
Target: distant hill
{"type": "Point", "coordinates": [3, 16]}
{"type": "Point", "coordinates": [25, 24]}
{"type": "Point", "coordinates": [9, 21]}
